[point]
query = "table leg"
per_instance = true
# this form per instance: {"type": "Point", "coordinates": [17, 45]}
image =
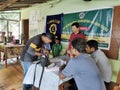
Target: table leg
{"type": "Point", "coordinates": [0, 55]}
{"type": "Point", "coordinates": [5, 59]}
{"type": "Point", "coordinates": [17, 59]}
{"type": "Point", "coordinates": [6, 63]}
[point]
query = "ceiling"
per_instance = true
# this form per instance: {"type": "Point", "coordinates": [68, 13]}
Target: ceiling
{"type": "Point", "coordinates": [8, 5]}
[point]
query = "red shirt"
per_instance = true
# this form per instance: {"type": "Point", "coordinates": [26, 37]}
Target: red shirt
{"type": "Point", "coordinates": [73, 36]}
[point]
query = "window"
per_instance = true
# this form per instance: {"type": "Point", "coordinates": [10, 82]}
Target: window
{"type": "Point", "coordinates": [10, 23]}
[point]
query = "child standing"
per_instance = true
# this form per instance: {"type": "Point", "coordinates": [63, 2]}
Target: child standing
{"type": "Point", "coordinates": [56, 48]}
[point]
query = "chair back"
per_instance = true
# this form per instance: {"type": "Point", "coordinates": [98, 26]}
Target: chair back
{"type": "Point", "coordinates": [117, 86]}
{"type": "Point", "coordinates": [115, 69]}
{"type": "Point", "coordinates": [118, 77]}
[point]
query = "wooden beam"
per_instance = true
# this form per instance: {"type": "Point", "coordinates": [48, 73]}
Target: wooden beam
{"type": "Point", "coordinates": [30, 2]}
{"type": "Point", "coordinates": [18, 6]}
{"type": "Point", "coordinates": [7, 3]}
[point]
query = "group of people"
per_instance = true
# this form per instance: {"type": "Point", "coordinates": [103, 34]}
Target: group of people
{"type": "Point", "coordinates": [90, 72]}
{"type": "Point", "coordinates": [4, 39]}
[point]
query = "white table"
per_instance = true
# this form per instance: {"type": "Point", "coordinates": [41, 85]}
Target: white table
{"type": "Point", "coordinates": [50, 80]}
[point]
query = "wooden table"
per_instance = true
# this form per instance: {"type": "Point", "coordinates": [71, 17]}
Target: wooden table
{"type": "Point", "coordinates": [10, 51]}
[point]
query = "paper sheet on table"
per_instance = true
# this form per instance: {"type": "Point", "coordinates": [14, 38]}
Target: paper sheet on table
{"type": "Point", "coordinates": [55, 68]}
{"type": "Point", "coordinates": [50, 80]}
{"type": "Point", "coordinates": [48, 77]}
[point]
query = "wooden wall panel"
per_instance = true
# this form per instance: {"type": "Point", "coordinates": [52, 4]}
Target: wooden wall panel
{"type": "Point", "coordinates": [115, 37]}
{"type": "Point", "coordinates": [26, 30]}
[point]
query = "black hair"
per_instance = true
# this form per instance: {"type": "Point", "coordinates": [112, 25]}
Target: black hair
{"type": "Point", "coordinates": [75, 24]}
{"type": "Point", "coordinates": [93, 43]}
{"type": "Point", "coordinates": [57, 38]}
{"type": "Point", "coordinates": [79, 44]}
{"type": "Point", "coordinates": [49, 35]}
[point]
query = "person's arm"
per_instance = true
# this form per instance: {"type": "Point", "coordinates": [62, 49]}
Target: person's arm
{"type": "Point", "coordinates": [53, 47]}
{"type": "Point", "coordinates": [38, 54]}
{"type": "Point", "coordinates": [32, 50]}
{"type": "Point", "coordinates": [60, 48]}
{"type": "Point", "coordinates": [61, 76]}
{"type": "Point", "coordinates": [46, 52]}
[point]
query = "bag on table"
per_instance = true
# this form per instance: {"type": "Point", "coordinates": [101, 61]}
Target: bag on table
{"type": "Point", "coordinates": [44, 61]}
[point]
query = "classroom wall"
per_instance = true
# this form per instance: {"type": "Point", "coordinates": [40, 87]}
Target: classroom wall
{"type": "Point", "coordinates": [67, 6]}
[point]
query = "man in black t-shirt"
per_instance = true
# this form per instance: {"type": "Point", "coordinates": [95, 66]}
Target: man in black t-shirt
{"type": "Point", "coordinates": [32, 50]}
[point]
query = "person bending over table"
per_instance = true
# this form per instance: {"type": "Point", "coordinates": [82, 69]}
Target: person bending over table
{"type": "Point", "coordinates": [32, 51]}
{"type": "Point", "coordinates": [82, 68]}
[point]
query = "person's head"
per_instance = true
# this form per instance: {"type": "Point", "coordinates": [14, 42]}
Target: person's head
{"type": "Point", "coordinates": [75, 27]}
{"type": "Point", "coordinates": [78, 46]}
{"type": "Point", "coordinates": [47, 37]}
{"type": "Point", "coordinates": [3, 33]}
{"type": "Point", "coordinates": [57, 40]}
{"type": "Point", "coordinates": [92, 45]}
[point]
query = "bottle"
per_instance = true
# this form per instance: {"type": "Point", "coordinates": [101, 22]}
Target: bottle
{"type": "Point", "coordinates": [14, 41]}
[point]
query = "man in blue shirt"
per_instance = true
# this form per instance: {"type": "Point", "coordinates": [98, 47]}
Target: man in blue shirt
{"type": "Point", "coordinates": [101, 60]}
{"type": "Point", "coordinates": [82, 68]}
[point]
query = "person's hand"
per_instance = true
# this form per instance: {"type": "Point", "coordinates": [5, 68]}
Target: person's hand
{"type": "Point", "coordinates": [34, 62]}
{"type": "Point", "coordinates": [47, 52]}
{"type": "Point", "coordinates": [38, 54]}
{"type": "Point", "coordinates": [65, 61]}
{"type": "Point", "coordinates": [62, 67]}
{"type": "Point", "coordinates": [69, 53]}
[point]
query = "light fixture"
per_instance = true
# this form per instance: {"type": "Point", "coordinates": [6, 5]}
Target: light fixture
{"type": "Point", "coordinates": [87, 0]}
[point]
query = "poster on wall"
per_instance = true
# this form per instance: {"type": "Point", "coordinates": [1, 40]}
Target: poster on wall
{"type": "Point", "coordinates": [35, 23]}
{"type": "Point", "coordinates": [95, 24]}
{"type": "Point", "coordinates": [54, 25]}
